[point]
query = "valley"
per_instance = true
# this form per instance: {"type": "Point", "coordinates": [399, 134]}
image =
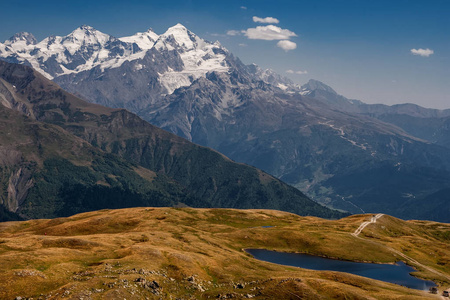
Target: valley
{"type": "Point", "coordinates": [342, 153]}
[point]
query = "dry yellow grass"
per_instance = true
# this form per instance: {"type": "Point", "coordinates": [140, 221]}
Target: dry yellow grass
{"type": "Point", "coordinates": [198, 253]}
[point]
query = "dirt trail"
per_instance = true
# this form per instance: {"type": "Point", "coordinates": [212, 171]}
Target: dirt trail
{"type": "Point", "coordinates": [364, 224]}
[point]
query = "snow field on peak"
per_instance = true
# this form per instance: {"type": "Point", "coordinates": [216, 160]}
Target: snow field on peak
{"type": "Point", "coordinates": [144, 40]}
{"type": "Point", "coordinates": [197, 63]}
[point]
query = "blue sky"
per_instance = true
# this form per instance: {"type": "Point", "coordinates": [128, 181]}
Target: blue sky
{"type": "Point", "coordinates": [360, 48]}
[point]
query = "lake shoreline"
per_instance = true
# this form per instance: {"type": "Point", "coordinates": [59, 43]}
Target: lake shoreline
{"type": "Point", "coordinates": [403, 275]}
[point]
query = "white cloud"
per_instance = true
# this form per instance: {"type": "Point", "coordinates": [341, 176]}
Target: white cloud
{"type": "Point", "coordinates": [422, 52]}
{"type": "Point", "coordinates": [243, 45]}
{"type": "Point", "coordinates": [265, 20]}
{"type": "Point", "coordinates": [243, 7]}
{"type": "Point", "coordinates": [268, 33]}
{"type": "Point", "coordinates": [287, 45]}
{"type": "Point", "coordinates": [299, 72]}
{"type": "Point", "coordinates": [233, 32]}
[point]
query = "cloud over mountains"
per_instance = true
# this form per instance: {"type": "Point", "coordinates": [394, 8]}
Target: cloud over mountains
{"type": "Point", "coordinates": [268, 20]}
{"type": "Point", "coordinates": [268, 33]}
{"type": "Point", "coordinates": [422, 52]}
{"type": "Point", "coordinates": [286, 45]}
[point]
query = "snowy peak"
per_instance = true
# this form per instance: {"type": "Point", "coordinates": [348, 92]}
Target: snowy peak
{"type": "Point", "coordinates": [86, 35]}
{"type": "Point", "coordinates": [178, 31]}
{"type": "Point", "coordinates": [144, 40]}
{"type": "Point", "coordinates": [177, 37]}
{"type": "Point", "coordinates": [18, 43]}
{"type": "Point", "coordinates": [198, 56]}
{"type": "Point", "coordinates": [313, 85]}
{"type": "Point", "coordinates": [83, 39]}
{"type": "Point", "coordinates": [25, 37]}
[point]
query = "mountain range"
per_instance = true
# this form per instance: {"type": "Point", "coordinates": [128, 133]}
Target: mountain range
{"type": "Point", "coordinates": [343, 153]}
{"type": "Point", "coordinates": [60, 155]}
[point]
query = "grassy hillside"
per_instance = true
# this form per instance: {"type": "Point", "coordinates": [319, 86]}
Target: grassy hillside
{"type": "Point", "coordinates": [189, 253]}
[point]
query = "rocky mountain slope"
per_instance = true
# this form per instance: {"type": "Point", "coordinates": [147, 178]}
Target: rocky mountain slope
{"type": "Point", "coordinates": [198, 90]}
{"type": "Point", "coordinates": [47, 172]}
{"type": "Point", "coordinates": [62, 155]}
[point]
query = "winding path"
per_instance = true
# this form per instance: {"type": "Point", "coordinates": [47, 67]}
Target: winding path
{"type": "Point", "coordinates": [406, 257]}
{"type": "Point", "coordinates": [364, 224]}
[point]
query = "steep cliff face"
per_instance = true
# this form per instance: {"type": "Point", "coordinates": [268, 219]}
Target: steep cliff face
{"type": "Point", "coordinates": [8, 100]}
{"type": "Point", "coordinates": [19, 183]}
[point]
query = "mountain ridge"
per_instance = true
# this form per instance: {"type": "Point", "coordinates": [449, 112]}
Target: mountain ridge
{"type": "Point", "coordinates": [195, 175]}
{"type": "Point", "coordinates": [425, 123]}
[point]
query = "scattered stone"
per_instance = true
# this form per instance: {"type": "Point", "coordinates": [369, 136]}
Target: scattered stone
{"type": "Point", "coordinates": [153, 285]}
{"type": "Point", "coordinates": [143, 272]}
{"type": "Point", "coordinates": [199, 287]}
{"type": "Point", "coordinates": [111, 285]}
{"type": "Point", "coordinates": [24, 273]}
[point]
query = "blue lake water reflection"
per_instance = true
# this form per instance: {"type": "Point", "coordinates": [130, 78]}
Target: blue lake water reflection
{"type": "Point", "coordinates": [398, 273]}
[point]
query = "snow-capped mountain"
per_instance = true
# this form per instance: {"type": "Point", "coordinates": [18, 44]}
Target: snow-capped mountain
{"type": "Point", "coordinates": [198, 56]}
{"type": "Point", "coordinates": [86, 49]}
{"type": "Point", "coordinates": [81, 50]}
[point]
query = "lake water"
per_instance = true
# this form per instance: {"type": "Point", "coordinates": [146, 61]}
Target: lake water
{"type": "Point", "coordinates": [398, 273]}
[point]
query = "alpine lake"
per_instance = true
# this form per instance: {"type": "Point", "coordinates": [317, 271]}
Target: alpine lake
{"type": "Point", "coordinates": [398, 273]}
